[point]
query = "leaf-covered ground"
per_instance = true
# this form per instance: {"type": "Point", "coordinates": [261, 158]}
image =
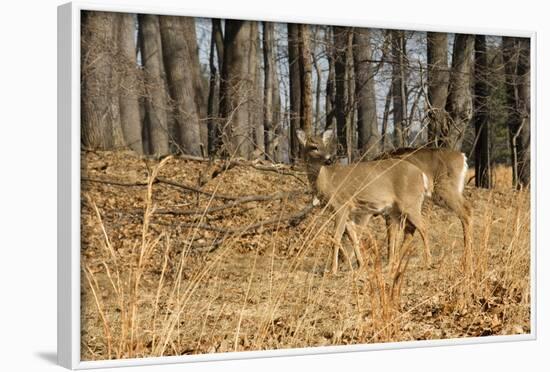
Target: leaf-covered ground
{"type": "Point", "coordinates": [162, 284]}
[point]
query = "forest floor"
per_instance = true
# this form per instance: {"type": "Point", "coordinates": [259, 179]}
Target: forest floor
{"type": "Point", "coordinates": [162, 277]}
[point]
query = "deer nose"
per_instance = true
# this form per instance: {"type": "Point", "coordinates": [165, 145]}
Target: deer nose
{"type": "Point", "coordinates": [328, 159]}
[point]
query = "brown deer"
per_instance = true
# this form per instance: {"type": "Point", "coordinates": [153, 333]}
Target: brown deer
{"type": "Point", "coordinates": [390, 187]}
{"type": "Point", "coordinates": [446, 171]}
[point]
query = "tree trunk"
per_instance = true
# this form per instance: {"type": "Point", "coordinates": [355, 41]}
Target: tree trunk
{"type": "Point", "coordinates": [306, 110]}
{"type": "Point", "coordinates": [368, 136]}
{"type": "Point", "coordinates": [279, 146]}
{"type": "Point", "coordinates": [236, 89]}
{"type": "Point", "coordinates": [330, 87]}
{"type": "Point", "coordinates": [268, 87]}
{"type": "Point", "coordinates": [129, 84]}
{"type": "Point", "coordinates": [100, 110]}
{"type": "Point", "coordinates": [481, 115]}
{"type": "Point", "coordinates": [213, 115]}
{"type": "Point", "coordinates": [294, 86]}
{"type": "Point", "coordinates": [213, 134]}
{"type": "Point", "coordinates": [459, 99]}
{"type": "Point", "coordinates": [318, 78]}
{"type": "Point", "coordinates": [255, 103]}
{"type": "Point", "coordinates": [200, 96]}
{"type": "Point", "coordinates": [178, 62]}
{"type": "Point", "coordinates": [524, 107]}
{"type": "Point", "coordinates": [156, 100]}
{"type": "Point", "coordinates": [340, 63]}
{"type": "Point", "coordinates": [399, 89]}
{"type": "Point", "coordinates": [438, 83]}
{"type": "Point", "coordinates": [516, 58]}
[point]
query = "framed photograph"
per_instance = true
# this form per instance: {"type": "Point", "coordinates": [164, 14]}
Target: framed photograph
{"type": "Point", "coordinates": [238, 187]}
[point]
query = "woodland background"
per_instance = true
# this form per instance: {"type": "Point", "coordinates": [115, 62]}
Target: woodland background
{"type": "Point", "coordinates": [225, 88]}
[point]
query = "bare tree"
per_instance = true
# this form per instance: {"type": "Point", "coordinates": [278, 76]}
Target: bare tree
{"type": "Point", "coordinates": [459, 98]}
{"type": "Point", "coordinates": [399, 88]}
{"type": "Point", "coordinates": [330, 92]}
{"type": "Point", "coordinates": [304, 57]}
{"type": "Point", "coordinates": [368, 136]}
{"type": "Point", "coordinates": [216, 49]}
{"type": "Point", "coordinates": [236, 89]}
{"type": "Point", "coordinates": [438, 83]}
{"type": "Point", "coordinates": [318, 77]}
{"type": "Point", "coordinates": [481, 115]}
{"type": "Point", "coordinates": [99, 97]}
{"type": "Point", "coordinates": [156, 105]}
{"type": "Point", "coordinates": [200, 96]}
{"type": "Point", "coordinates": [294, 87]}
{"type": "Point", "coordinates": [269, 64]}
{"type": "Point", "coordinates": [340, 63]}
{"type": "Point", "coordinates": [517, 68]}
{"type": "Point", "coordinates": [255, 102]}
{"type": "Point", "coordinates": [181, 82]}
{"type": "Point", "coordinates": [129, 82]}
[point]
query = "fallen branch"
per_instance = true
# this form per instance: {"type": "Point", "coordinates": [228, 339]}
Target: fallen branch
{"type": "Point", "coordinates": [217, 169]}
{"type": "Point", "coordinates": [112, 182]}
{"type": "Point", "coordinates": [195, 189]}
{"type": "Point", "coordinates": [241, 200]}
{"type": "Point", "coordinates": [291, 220]}
{"type": "Point", "coordinates": [161, 180]}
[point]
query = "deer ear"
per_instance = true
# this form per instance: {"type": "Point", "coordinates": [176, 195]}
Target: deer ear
{"type": "Point", "coordinates": [328, 136]}
{"type": "Point", "coordinates": [301, 137]}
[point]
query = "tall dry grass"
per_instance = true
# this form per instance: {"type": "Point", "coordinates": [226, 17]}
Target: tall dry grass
{"type": "Point", "coordinates": [161, 301]}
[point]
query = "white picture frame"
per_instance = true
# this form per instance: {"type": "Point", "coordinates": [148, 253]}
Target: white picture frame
{"type": "Point", "coordinates": [69, 187]}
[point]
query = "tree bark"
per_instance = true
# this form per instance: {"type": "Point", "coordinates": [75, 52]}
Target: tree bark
{"type": "Point", "coordinates": [516, 58]}
{"type": "Point", "coordinates": [294, 86]}
{"type": "Point", "coordinates": [129, 83]}
{"type": "Point", "coordinates": [255, 103]}
{"type": "Point", "coordinates": [459, 99]}
{"type": "Point", "coordinates": [156, 100]}
{"type": "Point", "coordinates": [330, 87]}
{"type": "Point", "coordinates": [99, 97]}
{"type": "Point", "coordinates": [481, 115]}
{"type": "Point", "coordinates": [340, 63]}
{"type": "Point", "coordinates": [178, 62]}
{"type": "Point", "coordinates": [438, 83]}
{"type": "Point", "coordinates": [236, 89]}
{"type": "Point", "coordinates": [194, 67]}
{"type": "Point", "coordinates": [368, 136]}
{"type": "Point", "coordinates": [213, 133]}
{"type": "Point", "coordinates": [213, 111]}
{"type": "Point", "coordinates": [399, 88]}
{"type": "Point", "coordinates": [268, 86]}
{"type": "Point", "coordinates": [306, 110]}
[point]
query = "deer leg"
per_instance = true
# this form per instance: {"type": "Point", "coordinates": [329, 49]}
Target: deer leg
{"type": "Point", "coordinates": [462, 208]}
{"type": "Point", "coordinates": [392, 226]}
{"type": "Point", "coordinates": [351, 230]}
{"type": "Point", "coordinates": [340, 223]}
{"type": "Point", "coordinates": [414, 222]}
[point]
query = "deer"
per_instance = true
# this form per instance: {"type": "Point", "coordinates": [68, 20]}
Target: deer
{"type": "Point", "coordinates": [356, 192]}
{"type": "Point", "coordinates": [446, 171]}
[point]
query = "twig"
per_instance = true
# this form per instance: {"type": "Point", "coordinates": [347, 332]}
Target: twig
{"type": "Point", "coordinates": [241, 200]}
{"type": "Point", "coordinates": [195, 189]}
{"type": "Point", "coordinates": [292, 219]}
{"type": "Point", "coordinates": [161, 180]}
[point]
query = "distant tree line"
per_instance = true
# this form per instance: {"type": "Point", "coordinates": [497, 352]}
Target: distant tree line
{"type": "Point", "coordinates": [163, 85]}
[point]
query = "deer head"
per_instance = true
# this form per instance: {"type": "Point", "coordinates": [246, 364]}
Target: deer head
{"type": "Point", "coordinates": [318, 149]}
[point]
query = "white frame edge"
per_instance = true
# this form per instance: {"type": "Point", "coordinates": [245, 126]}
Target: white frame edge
{"type": "Point", "coordinates": [68, 189]}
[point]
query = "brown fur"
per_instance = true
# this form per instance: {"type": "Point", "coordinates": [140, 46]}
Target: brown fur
{"type": "Point", "coordinates": [444, 168]}
{"type": "Point", "coordinates": [356, 192]}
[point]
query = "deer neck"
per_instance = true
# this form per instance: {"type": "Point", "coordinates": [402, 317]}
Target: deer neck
{"type": "Point", "coordinates": [313, 168]}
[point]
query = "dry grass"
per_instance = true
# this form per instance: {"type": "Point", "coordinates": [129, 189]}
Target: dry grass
{"type": "Point", "coordinates": [146, 290]}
